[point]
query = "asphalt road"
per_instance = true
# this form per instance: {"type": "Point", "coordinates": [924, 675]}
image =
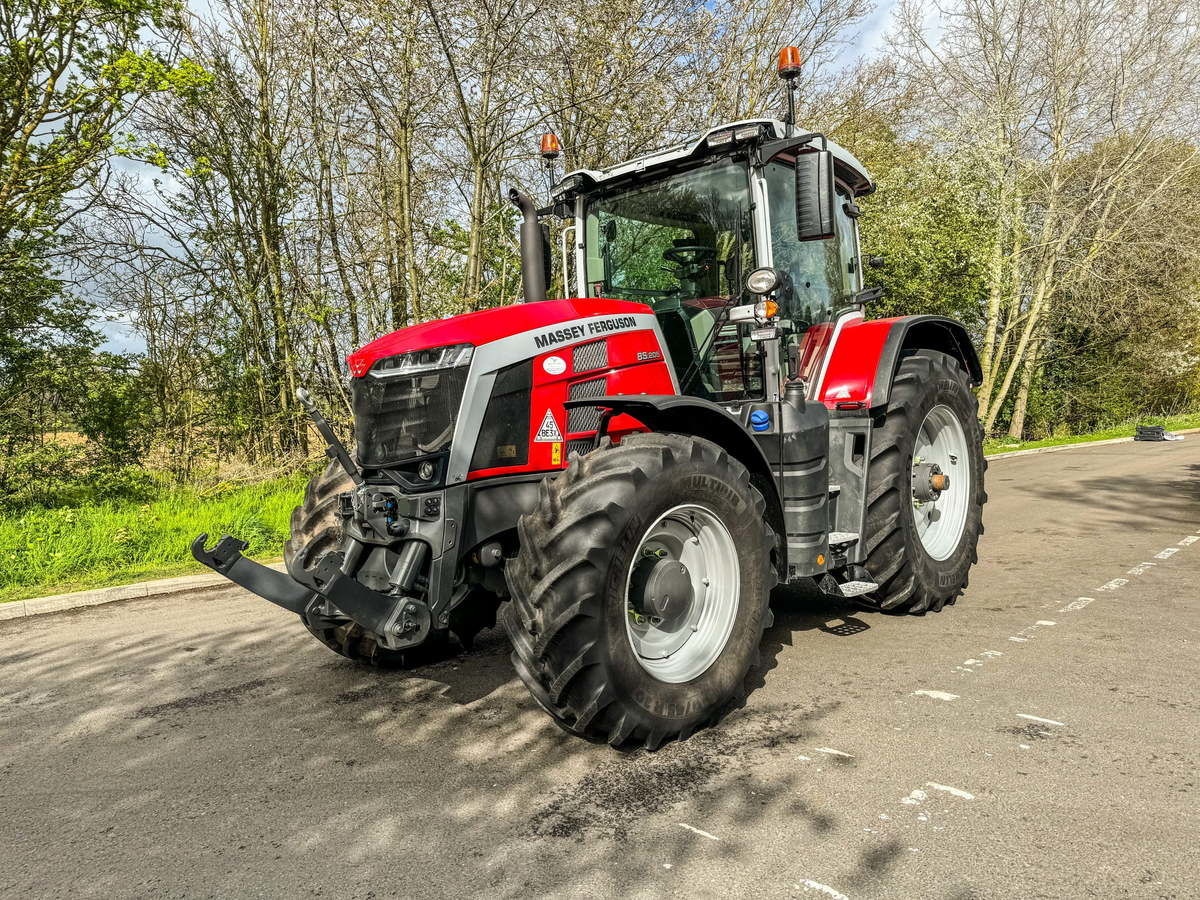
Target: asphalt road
{"type": "Point", "coordinates": [1038, 739]}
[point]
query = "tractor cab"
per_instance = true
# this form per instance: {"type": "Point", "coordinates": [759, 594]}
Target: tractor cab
{"type": "Point", "coordinates": [684, 229]}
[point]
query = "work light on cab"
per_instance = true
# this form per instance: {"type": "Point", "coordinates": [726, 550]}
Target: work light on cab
{"type": "Point", "coordinates": [762, 281]}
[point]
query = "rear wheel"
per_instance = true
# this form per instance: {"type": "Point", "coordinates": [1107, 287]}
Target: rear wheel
{"type": "Point", "coordinates": [640, 590]}
{"type": "Point", "coordinates": [925, 490]}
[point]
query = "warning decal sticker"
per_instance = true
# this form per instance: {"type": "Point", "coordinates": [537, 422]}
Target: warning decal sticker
{"type": "Point", "coordinates": [548, 433]}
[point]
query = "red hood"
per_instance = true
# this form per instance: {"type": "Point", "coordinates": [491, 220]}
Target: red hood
{"type": "Point", "coordinates": [485, 326]}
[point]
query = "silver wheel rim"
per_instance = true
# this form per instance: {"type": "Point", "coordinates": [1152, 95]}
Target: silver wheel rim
{"type": "Point", "coordinates": [684, 645]}
{"type": "Point", "coordinates": [942, 441]}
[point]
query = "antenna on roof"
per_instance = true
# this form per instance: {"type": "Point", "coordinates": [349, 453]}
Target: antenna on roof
{"type": "Point", "coordinates": [789, 71]}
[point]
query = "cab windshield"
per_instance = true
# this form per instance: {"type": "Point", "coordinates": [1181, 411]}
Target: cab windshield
{"type": "Point", "coordinates": [684, 237]}
{"type": "Point", "coordinates": [683, 244]}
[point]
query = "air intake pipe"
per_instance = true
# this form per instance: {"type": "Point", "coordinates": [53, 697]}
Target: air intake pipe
{"type": "Point", "coordinates": [533, 248]}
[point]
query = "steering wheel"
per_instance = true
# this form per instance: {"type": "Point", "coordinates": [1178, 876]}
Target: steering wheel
{"type": "Point", "coordinates": [690, 254]}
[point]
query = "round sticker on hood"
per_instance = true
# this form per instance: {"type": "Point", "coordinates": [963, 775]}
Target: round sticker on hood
{"type": "Point", "coordinates": [554, 365]}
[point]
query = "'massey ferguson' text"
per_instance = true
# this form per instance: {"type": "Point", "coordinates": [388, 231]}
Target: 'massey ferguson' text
{"type": "Point", "coordinates": [578, 332]}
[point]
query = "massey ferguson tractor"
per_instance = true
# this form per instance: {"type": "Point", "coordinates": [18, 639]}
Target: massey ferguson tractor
{"type": "Point", "coordinates": [626, 475]}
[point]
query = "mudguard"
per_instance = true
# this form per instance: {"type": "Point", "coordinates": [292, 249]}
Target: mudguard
{"type": "Point", "coordinates": [858, 371]}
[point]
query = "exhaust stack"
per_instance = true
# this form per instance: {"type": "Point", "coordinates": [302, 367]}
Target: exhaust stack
{"type": "Point", "coordinates": [533, 248]}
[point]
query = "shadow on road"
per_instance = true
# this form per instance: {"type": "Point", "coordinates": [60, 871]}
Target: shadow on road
{"type": "Point", "coordinates": [1133, 501]}
{"type": "Point", "coordinates": [232, 746]}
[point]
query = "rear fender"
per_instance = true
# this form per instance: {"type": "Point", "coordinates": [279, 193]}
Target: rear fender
{"type": "Point", "coordinates": [862, 362]}
{"type": "Point", "coordinates": [677, 414]}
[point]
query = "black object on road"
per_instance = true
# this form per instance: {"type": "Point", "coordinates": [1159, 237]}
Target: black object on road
{"type": "Point", "coordinates": [1155, 433]}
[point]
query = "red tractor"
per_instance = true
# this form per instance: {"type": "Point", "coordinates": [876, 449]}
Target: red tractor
{"type": "Point", "coordinates": [627, 474]}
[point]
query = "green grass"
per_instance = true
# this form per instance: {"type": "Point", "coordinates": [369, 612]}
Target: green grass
{"type": "Point", "coordinates": [1172, 423]}
{"type": "Point", "coordinates": [52, 551]}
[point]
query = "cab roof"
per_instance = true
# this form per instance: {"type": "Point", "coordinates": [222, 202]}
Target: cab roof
{"type": "Point", "coordinates": [849, 169]}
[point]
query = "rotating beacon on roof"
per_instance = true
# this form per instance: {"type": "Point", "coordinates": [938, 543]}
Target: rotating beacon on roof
{"type": "Point", "coordinates": [625, 475]}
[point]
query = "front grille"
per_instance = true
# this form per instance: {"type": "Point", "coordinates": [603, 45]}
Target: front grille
{"type": "Point", "coordinates": [585, 418]}
{"type": "Point", "coordinates": [586, 357]}
{"type": "Point", "coordinates": [398, 417]}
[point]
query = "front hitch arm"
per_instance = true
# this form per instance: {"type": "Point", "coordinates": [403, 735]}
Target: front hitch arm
{"type": "Point", "coordinates": [278, 587]}
{"type": "Point", "coordinates": [404, 621]}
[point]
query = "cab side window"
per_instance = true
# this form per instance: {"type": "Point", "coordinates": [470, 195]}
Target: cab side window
{"type": "Point", "coordinates": [823, 273]}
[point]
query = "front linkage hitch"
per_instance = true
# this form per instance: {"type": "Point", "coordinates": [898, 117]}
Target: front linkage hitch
{"type": "Point", "coordinates": [400, 620]}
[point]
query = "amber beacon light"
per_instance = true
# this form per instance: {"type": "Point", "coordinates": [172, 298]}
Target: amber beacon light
{"type": "Point", "coordinates": [789, 62]}
{"type": "Point", "coordinates": [550, 146]}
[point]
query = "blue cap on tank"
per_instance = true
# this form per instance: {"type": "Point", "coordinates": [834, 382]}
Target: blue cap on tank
{"type": "Point", "coordinates": [760, 420]}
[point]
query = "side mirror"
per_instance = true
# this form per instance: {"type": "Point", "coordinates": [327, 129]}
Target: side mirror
{"type": "Point", "coordinates": [815, 196]}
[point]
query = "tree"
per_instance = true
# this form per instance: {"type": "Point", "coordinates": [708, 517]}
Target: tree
{"type": "Point", "coordinates": [69, 74]}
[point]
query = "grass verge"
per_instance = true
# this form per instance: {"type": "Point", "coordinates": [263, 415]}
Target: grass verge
{"type": "Point", "coordinates": [53, 551]}
{"type": "Point", "coordinates": [1172, 423]}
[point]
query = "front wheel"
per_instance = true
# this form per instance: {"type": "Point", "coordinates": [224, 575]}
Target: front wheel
{"type": "Point", "coordinates": [640, 590]}
{"type": "Point", "coordinates": [925, 491]}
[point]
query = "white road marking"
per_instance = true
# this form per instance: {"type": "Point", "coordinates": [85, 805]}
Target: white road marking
{"type": "Point", "coordinates": [1040, 719]}
{"type": "Point", "coordinates": [972, 662]}
{"type": "Point", "coordinates": [950, 790]}
{"type": "Point", "coordinates": [916, 798]}
{"type": "Point", "coordinates": [809, 885]}
{"type": "Point", "coordinates": [991, 654]}
{"type": "Point", "coordinates": [936, 695]}
{"type": "Point", "coordinates": [833, 752]}
{"type": "Point", "coordinates": [1141, 568]}
{"type": "Point", "coordinates": [805, 758]}
{"type": "Point", "coordinates": [1189, 540]}
{"type": "Point", "coordinates": [1114, 584]}
{"type": "Point", "coordinates": [1022, 636]}
{"type": "Point", "coordinates": [1076, 605]}
{"type": "Point", "coordinates": [1166, 554]}
{"type": "Point", "coordinates": [1023, 746]}
{"type": "Point", "coordinates": [666, 865]}
{"type": "Point", "coordinates": [701, 832]}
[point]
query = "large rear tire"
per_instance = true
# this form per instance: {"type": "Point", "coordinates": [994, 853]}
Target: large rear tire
{"type": "Point", "coordinates": [920, 552]}
{"type": "Point", "coordinates": [596, 636]}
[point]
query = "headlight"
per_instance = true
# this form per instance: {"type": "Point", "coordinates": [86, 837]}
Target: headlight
{"type": "Point", "coordinates": [762, 281]}
{"type": "Point", "coordinates": [417, 361]}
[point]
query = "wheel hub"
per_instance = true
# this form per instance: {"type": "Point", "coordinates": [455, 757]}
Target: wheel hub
{"type": "Point", "coordinates": [661, 588]}
{"type": "Point", "coordinates": [928, 481]}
